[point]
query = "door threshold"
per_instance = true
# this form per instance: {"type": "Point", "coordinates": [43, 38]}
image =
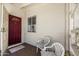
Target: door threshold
{"type": "Point", "coordinates": [14, 45]}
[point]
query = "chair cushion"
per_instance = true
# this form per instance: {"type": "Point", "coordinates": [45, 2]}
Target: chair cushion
{"type": "Point", "coordinates": [47, 53]}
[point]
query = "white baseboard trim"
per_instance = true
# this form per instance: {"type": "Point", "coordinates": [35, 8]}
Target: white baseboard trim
{"type": "Point", "coordinates": [14, 45]}
{"type": "Point", "coordinates": [30, 44]}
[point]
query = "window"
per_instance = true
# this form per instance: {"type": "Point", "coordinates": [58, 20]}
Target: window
{"type": "Point", "coordinates": [32, 24]}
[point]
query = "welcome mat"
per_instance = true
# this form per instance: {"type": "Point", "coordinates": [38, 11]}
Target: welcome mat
{"type": "Point", "coordinates": [15, 49]}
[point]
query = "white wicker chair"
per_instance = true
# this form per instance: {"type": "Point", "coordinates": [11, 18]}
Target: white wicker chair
{"type": "Point", "coordinates": [43, 43]}
{"type": "Point", "coordinates": [56, 49]}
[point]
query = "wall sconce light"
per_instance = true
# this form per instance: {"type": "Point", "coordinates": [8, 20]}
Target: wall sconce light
{"type": "Point", "coordinates": [3, 30]}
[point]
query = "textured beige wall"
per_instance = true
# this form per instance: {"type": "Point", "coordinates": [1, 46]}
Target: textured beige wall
{"type": "Point", "coordinates": [76, 17]}
{"type": "Point", "coordinates": [50, 21]}
{"type": "Point", "coordinates": [0, 23]}
{"type": "Point", "coordinates": [5, 25]}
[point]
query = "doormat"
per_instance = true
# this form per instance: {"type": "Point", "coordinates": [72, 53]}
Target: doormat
{"type": "Point", "coordinates": [15, 49]}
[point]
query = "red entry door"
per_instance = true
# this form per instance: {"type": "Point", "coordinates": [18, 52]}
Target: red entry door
{"type": "Point", "coordinates": [14, 30]}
